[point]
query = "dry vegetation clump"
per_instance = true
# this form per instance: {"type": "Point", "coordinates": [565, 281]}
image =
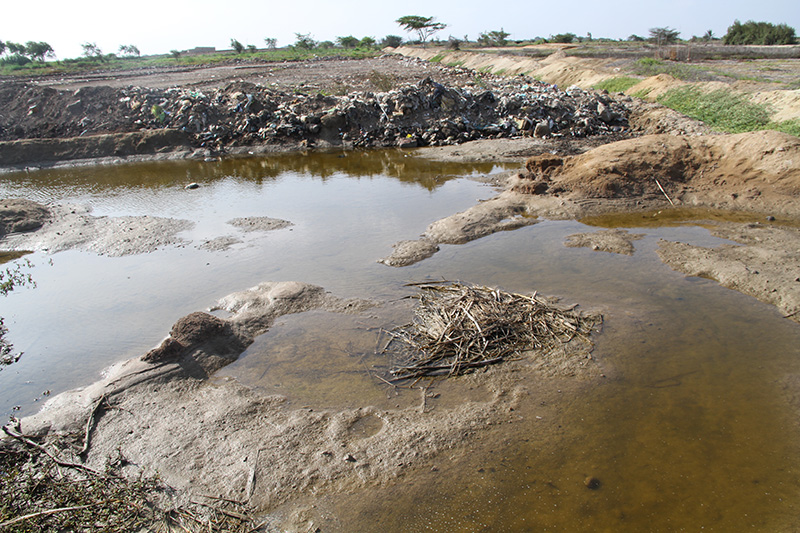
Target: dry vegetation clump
{"type": "Point", "coordinates": [458, 328]}
{"type": "Point", "coordinates": [44, 486]}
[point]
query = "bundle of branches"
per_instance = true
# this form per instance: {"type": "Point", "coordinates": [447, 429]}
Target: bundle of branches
{"type": "Point", "coordinates": [458, 328]}
{"type": "Point", "coordinates": [45, 487]}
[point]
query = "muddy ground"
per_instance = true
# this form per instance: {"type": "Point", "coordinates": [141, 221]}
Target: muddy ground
{"type": "Point", "coordinates": [166, 415]}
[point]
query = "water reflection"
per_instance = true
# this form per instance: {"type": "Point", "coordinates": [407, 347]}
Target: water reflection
{"type": "Point", "coordinates": [401, 165]}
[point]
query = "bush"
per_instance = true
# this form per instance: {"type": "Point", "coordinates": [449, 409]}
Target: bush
{"type": "Point", "coordinates": [15, 59]}
{"type": "Point", "coordinates": [392, 41]}
{"type": "Point", "coordinates": [759, 33]}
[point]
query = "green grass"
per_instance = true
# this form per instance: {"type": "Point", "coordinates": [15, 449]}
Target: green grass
{"type": "Point", "coordinates": [792, 127]}
{"type": "Point", "coordinates": [115, 63]}
{"type": "Point", "coordinates": [648, 66]}
{"type": "Point", "coordinates": [437, 58]}
{"type": "Point", "coordinates": [722, 109]}
{"type": "Point", "coordinates": [617, 85]}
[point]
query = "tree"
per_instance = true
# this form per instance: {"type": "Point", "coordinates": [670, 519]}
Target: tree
{"type": "Point", "coordinates": [175, 53]}
{"type": "Point", "coordinates": [37, 51]}
{"type": "Point", "coordinates": [367, 42]}
{"type": "Point", "coordinates": [92, 51]}
{"type": "Point", "coordinates": [129, 50]}
{"type": "Point", "coordinates": [493, 38]}
{"type": "Point", "coordinates": [635, 38]}
{"type": "Point", "coordinates": [236, 45]}
{"type": "Point", "coordinates": [759, 33]}
{"type": "Point", "coordinates": [305, 42]}
{"type": "Point", "coordinates": [2, 47]}
{"type": "Point", "coordinates": [392, 41]}
{"type": "Point", "coordinates": [15, 48]}
{"type": "Point", "coordinates": [563, 38]}
{"type": "Point", "coordinates": [424, 26]}
{"type": "Point", "coordinates": [347, 42]}
{"type": "Point", "coordinates": [662, 36]}
{"type": "Point", "coordinates": [271, 42]}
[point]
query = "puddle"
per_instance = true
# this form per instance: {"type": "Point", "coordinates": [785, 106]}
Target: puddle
{"type": "Point", "coordinates": [691, 429]}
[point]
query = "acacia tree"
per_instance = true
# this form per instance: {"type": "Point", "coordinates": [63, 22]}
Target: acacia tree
{"type": "Point", "coordinates": [664, 35]}
{"type": "Point", "coordinates": [424, 26]}
{"type": "Point", "coordinates": [493, 38]}
{"type": "Point", "coordinates": [91, 50]}
{"type": "Point", "coordinates": [271, 42]}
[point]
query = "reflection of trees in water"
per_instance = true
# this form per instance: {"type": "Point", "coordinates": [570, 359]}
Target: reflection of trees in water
{"type": "Point", "coordinates": [13, 276]}
{"type": "Point", "coordinates": [402, 165]}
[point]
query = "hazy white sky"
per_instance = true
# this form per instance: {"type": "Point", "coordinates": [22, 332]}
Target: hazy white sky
{"type": "Point", "coordinates": [158, 26]}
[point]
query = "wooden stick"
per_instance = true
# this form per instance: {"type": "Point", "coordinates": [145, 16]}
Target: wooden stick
{"type": "Point", "coordinates": [59, 462]}
{"type": "Point", "coordinates": [89, 426]}
{"type": "Point", "coordinates": [45, 513]}
{"type": "Point", "coordinates": [665, 192]}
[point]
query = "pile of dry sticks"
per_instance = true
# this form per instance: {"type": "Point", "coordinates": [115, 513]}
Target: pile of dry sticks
{"type": "Point", "coordinates": [458, 328]}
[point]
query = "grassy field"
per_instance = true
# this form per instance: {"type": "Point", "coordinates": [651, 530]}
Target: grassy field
{"type": "Point", "coordinates": [72, 66]}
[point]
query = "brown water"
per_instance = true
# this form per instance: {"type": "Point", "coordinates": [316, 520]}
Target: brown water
{"type": "Point", "coordinates": [692, 429]}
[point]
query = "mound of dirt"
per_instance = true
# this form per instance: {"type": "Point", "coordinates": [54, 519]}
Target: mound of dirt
{"type": "Point", "coordinates": [19, 216]}
{"type": "Point", "coordinates": [752, 171]}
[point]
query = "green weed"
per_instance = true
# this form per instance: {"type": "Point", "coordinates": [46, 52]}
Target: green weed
{"type": "Point", "coordinates": [792, 127]}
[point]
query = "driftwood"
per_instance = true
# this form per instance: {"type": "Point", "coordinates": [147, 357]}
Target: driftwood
{"type": "Point", "coordinates": [458, 328]}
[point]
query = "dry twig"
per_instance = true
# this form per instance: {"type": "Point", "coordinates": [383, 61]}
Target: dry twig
{"type": "Point", "coordinates": [458, 328]}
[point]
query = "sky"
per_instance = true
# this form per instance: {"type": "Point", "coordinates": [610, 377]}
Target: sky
{"type": "Point", "coordinates": [159, 26]}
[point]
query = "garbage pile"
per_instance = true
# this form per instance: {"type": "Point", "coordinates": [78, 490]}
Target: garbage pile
{"type": "Point", "coordinates": [242, 114]}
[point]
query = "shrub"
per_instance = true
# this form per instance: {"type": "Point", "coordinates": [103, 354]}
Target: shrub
{"type": "Point", "coordinates": [392, 41]}
{"type": "Point", "coordinates": [759, 33]}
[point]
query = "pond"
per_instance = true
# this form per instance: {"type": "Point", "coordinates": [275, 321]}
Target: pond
{"type": "Point", "coordinates": [690, 428]}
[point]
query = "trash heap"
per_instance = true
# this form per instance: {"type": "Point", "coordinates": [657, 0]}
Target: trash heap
{"type": "Point", "coordinates": [242, 114]}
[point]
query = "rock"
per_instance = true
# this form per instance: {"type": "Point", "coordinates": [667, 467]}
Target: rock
{"type": "Point", "coordinates": [542, 130]}
{"type": "Point", "coordinates": [192, 186]}
{"type": "Point", "coordinates": [407, 142]}
{"type": "Point", "coordinates": [592, 483]}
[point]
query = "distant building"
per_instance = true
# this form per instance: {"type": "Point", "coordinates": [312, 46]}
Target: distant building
{"type": "Point", "coordinates": [200, 50]}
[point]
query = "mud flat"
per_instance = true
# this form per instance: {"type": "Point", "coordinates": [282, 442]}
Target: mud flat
{"type": "Point", "coordinates": [221, 438]}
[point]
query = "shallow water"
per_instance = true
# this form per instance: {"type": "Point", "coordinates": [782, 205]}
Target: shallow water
{"type": "Point", "coordinates": [691, 429]}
